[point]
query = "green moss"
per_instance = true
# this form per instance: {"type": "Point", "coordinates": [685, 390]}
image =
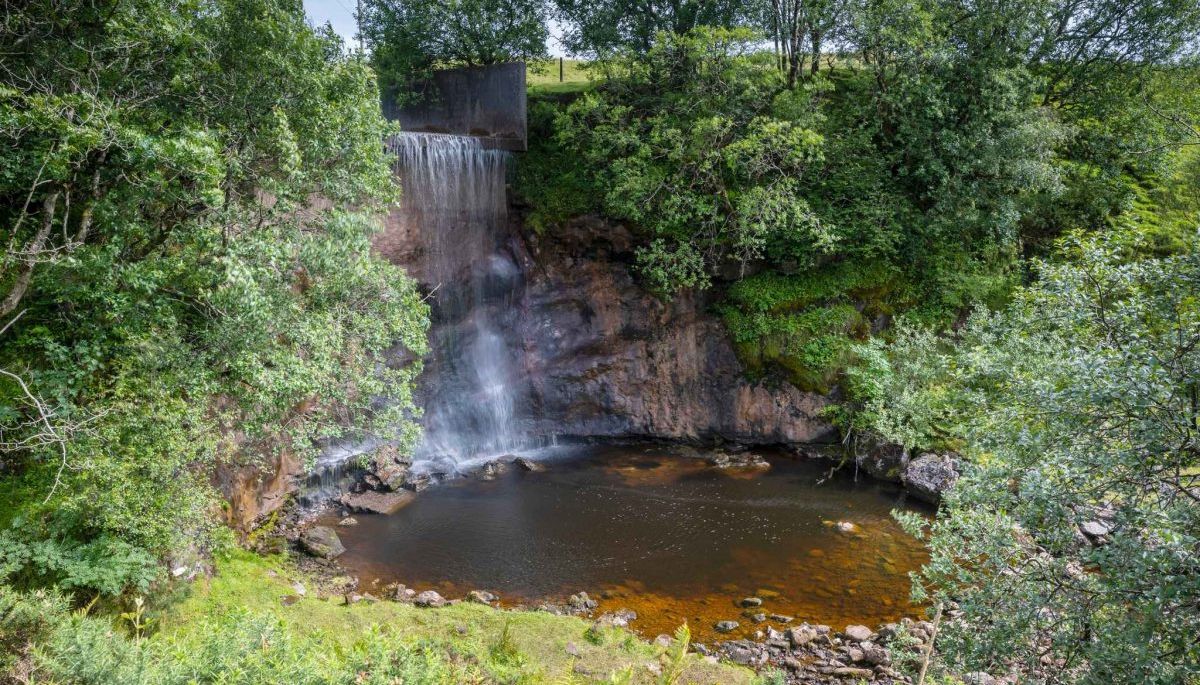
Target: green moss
{"type": "Point", "coordinates": [774, 293]}
{"type": "Point", "coordinates": [506, 646]}
{"type": "Point", "coordinates": [802, 325]}
{"type": "Point", "coordinates": [811, 347]}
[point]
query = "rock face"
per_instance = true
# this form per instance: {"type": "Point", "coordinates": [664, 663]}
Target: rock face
{"type": "Point", "coordinates": [929, 475]}
{"type": "Point", "coordinates": [256, 489]}
{"type": "Point", "coordinates": [321, 541]}
{"type": "Point", "coordinates": [609, 359]}
{"type": "Point", "coordinates": [600, 357]}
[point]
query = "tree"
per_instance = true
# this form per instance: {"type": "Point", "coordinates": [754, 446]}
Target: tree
{"type": "Point", "coordinates": [407, 38]}
{"type": "Point", "coordinates": [682, 143]}
{"type": "Point", "coordinates": [599, 27]}
{"type": "Point", "coordinates": [178, 298]}
{"type": "Point", "coordinates": [1069, 548]}
{"type": "Point", "coordinates": [799, 29]}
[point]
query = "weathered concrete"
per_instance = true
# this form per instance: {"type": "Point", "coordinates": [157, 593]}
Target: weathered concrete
{"type": "Point", "coordinates": [488, 102]}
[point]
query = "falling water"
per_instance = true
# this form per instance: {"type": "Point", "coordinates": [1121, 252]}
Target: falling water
{"type": "Point", "coordinates": [455, 202]}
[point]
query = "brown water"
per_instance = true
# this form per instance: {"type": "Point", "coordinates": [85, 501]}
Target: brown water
{"type": "Point", "coordinates": [666, 536]}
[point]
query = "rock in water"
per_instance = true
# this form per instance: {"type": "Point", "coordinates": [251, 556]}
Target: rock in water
{"type": "Point", "coordinates": [373, 502]}
{"type": "Point", "coordinates": [929, 475]}
{"type": "Point", "coordinates": [492, 470]}
{"type": "Point", "coordinates": [391, 475]}
{"type": "Point", "coordinates": [726, 626]}
{"type": "Point", "coordinates": [417, 482]}
{"type": "Point", "coordinates": [321, 541]}
{"type": "Point", "coordinates": [528, 464]}
{"type": "Point", "coordinates": [885, 461]}
{"type": "Point", "coordinates": [480, 597]}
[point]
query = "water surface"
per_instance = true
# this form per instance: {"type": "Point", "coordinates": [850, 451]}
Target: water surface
{"type": "Point", "coordinates": [664, 535]}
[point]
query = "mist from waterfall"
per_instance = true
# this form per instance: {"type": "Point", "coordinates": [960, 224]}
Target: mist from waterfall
{"type": "Point", "coordinates": [455, 200]}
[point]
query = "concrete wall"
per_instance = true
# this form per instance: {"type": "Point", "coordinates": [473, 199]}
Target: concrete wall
{"type": "Point", "coordinates": [488, 102]}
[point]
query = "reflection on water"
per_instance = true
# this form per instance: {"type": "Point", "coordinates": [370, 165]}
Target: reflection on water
{"type": "Point", "coordinates": [664, 535]}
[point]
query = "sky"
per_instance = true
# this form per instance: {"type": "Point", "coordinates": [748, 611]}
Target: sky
{"type": "Point", "coordinates": [340, 13]}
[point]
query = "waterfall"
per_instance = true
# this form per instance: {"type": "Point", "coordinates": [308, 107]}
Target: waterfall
{"type": "Point", "coordinates": [455, 203]}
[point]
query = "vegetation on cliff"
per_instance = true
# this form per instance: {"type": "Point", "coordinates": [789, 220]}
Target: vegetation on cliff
{"type": "Point", "coordinates": [938, 149]}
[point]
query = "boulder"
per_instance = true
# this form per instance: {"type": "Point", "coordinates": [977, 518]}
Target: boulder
{"type": "Point", "coordinates": [321, 541]}
{"type": "Point", "coordinates": [885, 461]}
{"type": "Point", "coordinates": [527, 464]}
{"type": "Point", "coordinates": [491, 470]}
{"type": "Point", "coordinates": [874, 654]}
{"type": "Point", "coordinates": [929, 475]}
{"type": "Point", "coordinates": [801, 635]}
{"type": "Point", "coordinates": [726, 626]}
{"type": "Point", "coordinates": [481, 597]}
{"type": "Point", "coordinates": [855, 633]}
{"type": "Point", "coordinates": [391, 476]}
{"type": "Point", "coordinates": [429, 599]}
{"type": "Point", "coordinates": [751, 602]}
{"type": "Point", "coordinates": [348, 521]}
{"type": "Point", "coordinates": [390, 454]}
{"type": "Point", "coordinates": [375, 502]}
{"type": "Point", "coordinates": [417, 481]}
{"type": "Point", "coordinates": [581, 602]}
{"type": "Point", "coordinates": [1095, 529]}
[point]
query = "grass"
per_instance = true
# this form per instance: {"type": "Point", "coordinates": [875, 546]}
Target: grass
{"type": "Point", "coordinates": [504, 646]}
{"type": "Point", "coordinates": [542, 77]}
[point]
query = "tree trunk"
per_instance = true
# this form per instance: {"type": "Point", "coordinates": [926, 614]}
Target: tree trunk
{"type": "Point", "coordinates": [21, 284]}
{"type": "Point", "coordinates": [816, 51]}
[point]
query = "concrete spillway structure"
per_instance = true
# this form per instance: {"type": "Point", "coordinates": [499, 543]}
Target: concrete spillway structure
{"type": "Point", "coordinates": [483, 102]}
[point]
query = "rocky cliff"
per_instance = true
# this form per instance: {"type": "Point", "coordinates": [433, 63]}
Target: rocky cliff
{"type": "Point", "coordinates": [606, 358]}
{"type": "Point", "coordinates": [601, 357]}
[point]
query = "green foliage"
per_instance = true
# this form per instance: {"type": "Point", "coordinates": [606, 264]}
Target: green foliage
{"type": "Point", "coordinates": [504, 652]}
{"type": "Point", "coordinates": [674, 658]}
{"type": "Point", "coordinates": [600, 27]}
{"type": "Point", "coordinates": [183, 299]}
{"type": "Point", "coordinates": [240, 647]}
{"type": "Point", "coordinates": [409, 38]}
{"type": "Point", "coordinates": [232, 628]}
{"type": "Point", "coordinates": [551, 177]}
{"type": "Point", "coordinates": [775, 293]}
{"type": "Point", "coordinates": [678, 142]}
{"type": "Point", "coordinates": [1076, 403]}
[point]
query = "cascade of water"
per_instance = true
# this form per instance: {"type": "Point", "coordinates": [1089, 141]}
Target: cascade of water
{"type": "Point", "coordinates": [455, 201]}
